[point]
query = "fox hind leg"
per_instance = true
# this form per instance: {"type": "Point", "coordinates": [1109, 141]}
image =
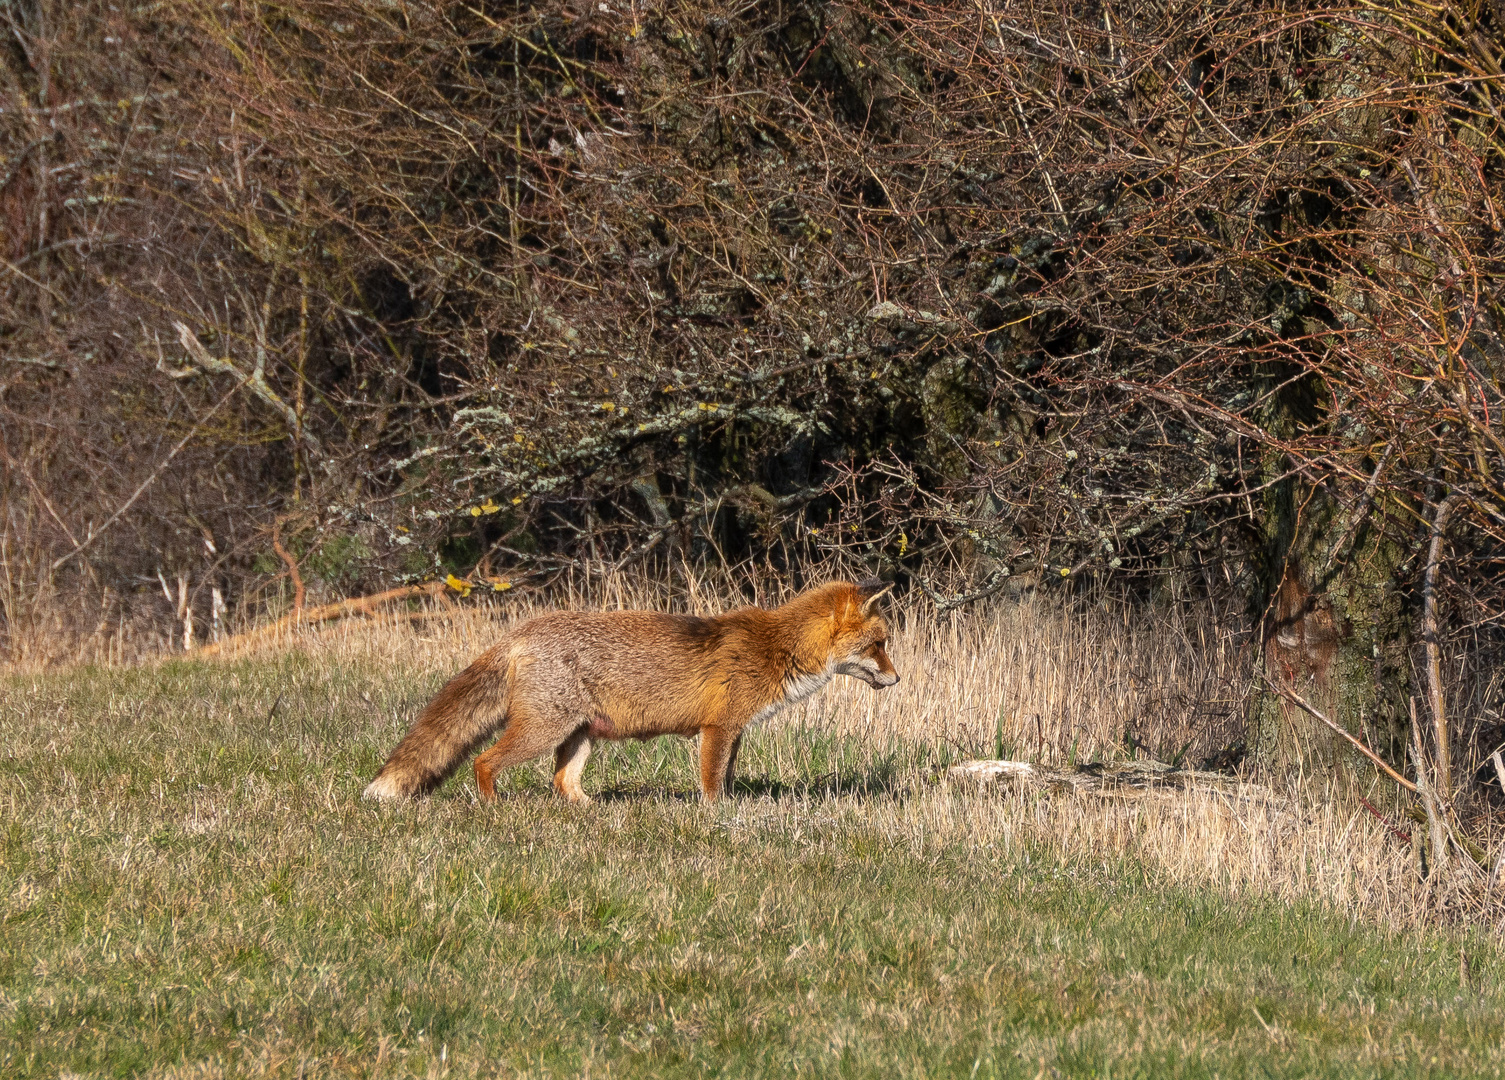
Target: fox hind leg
{"type": "Point", "coordinates": [506, 752]}
{"type": "Point", "coordinates": [530, 733]}
{"type": "Point", "coordinates": [569, 762]}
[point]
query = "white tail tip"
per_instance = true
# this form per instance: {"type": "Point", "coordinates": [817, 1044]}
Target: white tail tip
{"type": "Point", "coordinates": [384, 789]}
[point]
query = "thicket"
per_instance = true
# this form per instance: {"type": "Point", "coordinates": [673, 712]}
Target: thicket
{"type": "Point", "coordinates": [976, 294]}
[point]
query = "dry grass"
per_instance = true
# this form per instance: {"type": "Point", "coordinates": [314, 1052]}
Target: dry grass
{"type": "Point", "coordinates": [1025, 679]}
{"type": "Point", "coordinates": [1030, 678]}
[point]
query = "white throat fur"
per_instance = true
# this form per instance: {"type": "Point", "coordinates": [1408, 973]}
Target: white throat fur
{"type": "Point", "coordinates": [796, 689]}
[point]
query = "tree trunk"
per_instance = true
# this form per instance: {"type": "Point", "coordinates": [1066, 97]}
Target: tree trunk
{"type": "Point", "coordinates": [1334, 629]}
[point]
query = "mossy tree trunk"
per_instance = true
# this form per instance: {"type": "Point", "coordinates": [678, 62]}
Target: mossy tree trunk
{"type": "Point", "coordinates": [1335, 626]}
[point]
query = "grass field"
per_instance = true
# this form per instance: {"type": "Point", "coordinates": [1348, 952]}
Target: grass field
{"type": "Point", "coordinates": [192, 887]}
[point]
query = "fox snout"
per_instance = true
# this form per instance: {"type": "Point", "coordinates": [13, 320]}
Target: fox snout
{"type": "Point", "coordinates": [883, 678]}
{"type": "Point", "coordinates": [873, 668]}
{"type": "Point", "coordinates": [876, 679]}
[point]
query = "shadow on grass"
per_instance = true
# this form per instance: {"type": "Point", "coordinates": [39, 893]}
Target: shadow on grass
{"type": "Point", "coordinates": [881, 781]}
{"type": "Point", "coordinates": [876, 782]}
{"type": "Point", "coordinates": [799, 769]}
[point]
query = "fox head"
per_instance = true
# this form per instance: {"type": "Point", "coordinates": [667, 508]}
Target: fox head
{"type": "Point", "coordinates": [860, 634]}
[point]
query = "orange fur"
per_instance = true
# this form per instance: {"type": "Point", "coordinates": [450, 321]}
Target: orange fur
{"type": "Point", "coordinates": [563, 681]}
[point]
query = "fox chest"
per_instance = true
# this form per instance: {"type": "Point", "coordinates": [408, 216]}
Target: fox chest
{"type": "Point", "coordinates": [796, 690]}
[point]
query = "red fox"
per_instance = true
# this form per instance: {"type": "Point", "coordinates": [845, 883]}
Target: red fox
{"type": "Point", "coordinates": [561, 681]}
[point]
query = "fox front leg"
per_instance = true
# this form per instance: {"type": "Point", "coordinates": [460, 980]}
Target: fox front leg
{"type": "Point", "coordinates": [718, 749]}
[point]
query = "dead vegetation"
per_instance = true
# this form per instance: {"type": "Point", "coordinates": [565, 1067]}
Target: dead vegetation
{"type": "Point", "coordinates": [1134, 732]}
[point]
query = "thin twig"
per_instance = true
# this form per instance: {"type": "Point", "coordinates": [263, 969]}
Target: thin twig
{"type": "Point", "coordinates": [95, 535]}
{"type": "Point", "coordinates": [1400, 835]}
{"type": "Point", "coordinates": [1444, 771]}
{"type": "Point", "coordinates": [1358, 744]}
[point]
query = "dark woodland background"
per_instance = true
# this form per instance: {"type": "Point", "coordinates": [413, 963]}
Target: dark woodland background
{"type": "Point", "coordinates": [1200, 303]}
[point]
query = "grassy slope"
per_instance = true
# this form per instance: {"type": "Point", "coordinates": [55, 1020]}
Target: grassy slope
{"type": "Point", "coordinates": [191, 885]}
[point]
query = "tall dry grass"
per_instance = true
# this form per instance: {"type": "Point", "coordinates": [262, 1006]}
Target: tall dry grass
{"type": "Point", "coordinates": [1026, 678]}
{"type": "Point", "coordinates": [1054, 682]}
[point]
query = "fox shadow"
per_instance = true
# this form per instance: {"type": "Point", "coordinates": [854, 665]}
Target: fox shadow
{"type": "Point", "coordinates": [879, 783]}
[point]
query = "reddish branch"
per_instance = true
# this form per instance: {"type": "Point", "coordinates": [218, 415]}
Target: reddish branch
{"type": "Point", "coordinates": [1383, 820]}
{"type": "Point", "coordinates": [292, 566]}
{"type": "Point", "coordinates": [361, 605]}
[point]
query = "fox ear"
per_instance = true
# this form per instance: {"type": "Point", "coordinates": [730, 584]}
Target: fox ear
{"type": "Point", "coordinates": [870, 590]}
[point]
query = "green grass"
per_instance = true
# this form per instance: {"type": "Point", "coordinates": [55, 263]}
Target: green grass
{"type": "Point", "coordinates": [192, 886]}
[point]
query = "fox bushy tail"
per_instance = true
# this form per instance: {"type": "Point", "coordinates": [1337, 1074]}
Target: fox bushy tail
{"type": "Point", "coordinates": [469, 708]}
